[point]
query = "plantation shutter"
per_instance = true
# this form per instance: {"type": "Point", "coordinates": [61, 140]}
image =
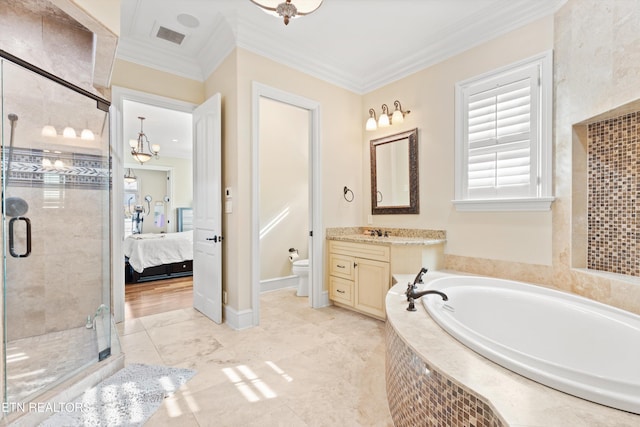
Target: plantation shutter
{"type": "Point", "coordinates": [501, 136]}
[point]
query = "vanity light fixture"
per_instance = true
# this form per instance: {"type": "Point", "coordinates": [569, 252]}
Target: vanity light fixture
{"type": "Point", "coordinates": [68, 132]}
{"type": "Point", "coordinates": [398, 114]}
{"type": "Point", "coordinates": [137, 146]}
{"type": "Point", "coordinates": [385, 118]}
{"type": "Point", "coordinates": [383, 121]}
{"type": "Point", "coordinates": [87, 135]}
{"type": "Point", "coordinates": [372, 122]}
{"type": "Point", "coordinates": [49, 131]}
{"type": "Point", "coordinates": [286, 9]}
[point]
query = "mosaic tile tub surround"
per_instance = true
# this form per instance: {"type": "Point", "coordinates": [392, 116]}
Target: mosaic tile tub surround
{"type": "Point", "coordinates": [418, 395]}
{"type": "Point", "coordinates": [462, 388]}
{"type": "Point", "coordinates": [613, 189]}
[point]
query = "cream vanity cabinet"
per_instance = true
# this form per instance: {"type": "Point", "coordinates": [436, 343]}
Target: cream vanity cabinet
{"type": "Point", "coordinates": [359, 276]}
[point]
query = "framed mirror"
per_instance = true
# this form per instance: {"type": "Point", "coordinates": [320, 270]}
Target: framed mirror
{"type": "Point", "coordinates": [394, 174]}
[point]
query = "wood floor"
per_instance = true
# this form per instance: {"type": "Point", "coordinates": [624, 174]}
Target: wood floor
{"type": "Point", "coordinates": [144, 299]}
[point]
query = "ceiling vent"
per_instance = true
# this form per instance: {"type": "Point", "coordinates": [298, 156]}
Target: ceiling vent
{"type": "Point", "coordinates": [170, 35]}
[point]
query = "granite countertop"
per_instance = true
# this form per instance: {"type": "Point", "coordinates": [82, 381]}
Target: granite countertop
{"type": "Point", "coordinates": [397, 236]}
{"type": "Point", "coordinates": [391, 240]}
{"type": "Point", "coordinates": [519, 400]}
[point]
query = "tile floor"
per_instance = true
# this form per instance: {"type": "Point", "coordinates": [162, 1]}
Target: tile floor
{"type": "Point", "coordinates": [300, 367]}
{"type": "Point", "coordinates": [36, 363]}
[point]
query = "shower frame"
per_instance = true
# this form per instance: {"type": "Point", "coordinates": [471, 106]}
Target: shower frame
{"type": "Point", "coordinates": [104, 324]}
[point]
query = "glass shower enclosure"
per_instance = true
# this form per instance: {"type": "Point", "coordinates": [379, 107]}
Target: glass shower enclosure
{"type": "Point", "coordinates": [55, 230]}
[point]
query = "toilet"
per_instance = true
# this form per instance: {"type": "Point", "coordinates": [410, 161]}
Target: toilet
{"type": "Point", "coordinates": [301, 269]}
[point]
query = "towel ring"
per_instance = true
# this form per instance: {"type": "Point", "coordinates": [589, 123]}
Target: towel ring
{"type": "Point", "coordinates": [347, 191]}
{"type": "Point", "coordinates": [379, 198]}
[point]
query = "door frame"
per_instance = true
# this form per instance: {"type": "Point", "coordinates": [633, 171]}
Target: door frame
{"type": "Point", "coordinates": [118, 155]}
{"type": "Point", "coordinates": [318, 297]}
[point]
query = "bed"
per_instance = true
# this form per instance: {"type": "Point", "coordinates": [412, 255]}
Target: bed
{"type": "Point", "coordinates": [158, 256]}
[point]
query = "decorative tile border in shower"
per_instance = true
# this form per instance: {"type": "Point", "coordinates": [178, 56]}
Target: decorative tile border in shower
{"type": "Point", "coordinates": [39, 168]}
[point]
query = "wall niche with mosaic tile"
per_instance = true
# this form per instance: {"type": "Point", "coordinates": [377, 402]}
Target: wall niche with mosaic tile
{"type": "Point", "coordinates": [606, 186]}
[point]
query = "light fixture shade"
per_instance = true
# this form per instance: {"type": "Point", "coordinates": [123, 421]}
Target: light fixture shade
{"type": "Point", "coordinates": [69, 132]}
{"type": "Point", "coordinates": [137, 146]}
{"type": "Point", "coordinates": [383, 121]}
{"type": "Point", "coordinates": [87, 135]}
{"type": "Point", "coordinates": [49, 131]}
{"type": "Point", "coordinates": [288, 8]}
{"type": "Point", "coordinates": [130, 176]}
{"type": "Point", "coordinates": [371, 124]}
{"type": "Point", "coordinates": [141, 157]}
{"type": "Point", "coordinates": [397, 117]}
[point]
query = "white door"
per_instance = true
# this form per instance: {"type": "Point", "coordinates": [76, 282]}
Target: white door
{"type": "Point", "coordinates": [207, 226]}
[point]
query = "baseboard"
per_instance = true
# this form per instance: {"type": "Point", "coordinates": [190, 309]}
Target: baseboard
{"type": "Point", "coordinates": [278, 283]}
{"type": "Point", "coordinates": [324, 299]}
{"type": "Point", "coordinates": [238, 319]}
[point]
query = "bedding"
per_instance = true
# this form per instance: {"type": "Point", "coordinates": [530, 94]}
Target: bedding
{"type": "Point", "coordinates": [149, 250]}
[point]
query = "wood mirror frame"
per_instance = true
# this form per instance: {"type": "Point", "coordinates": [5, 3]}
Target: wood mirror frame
{"type": "Point", "coordinates": [413, 203]}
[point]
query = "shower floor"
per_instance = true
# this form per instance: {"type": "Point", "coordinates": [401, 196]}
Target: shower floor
{"type": "Point", "coordinates": [35, 363]}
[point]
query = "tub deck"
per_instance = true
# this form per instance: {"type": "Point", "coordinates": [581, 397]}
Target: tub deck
{"type": "Point", "coordinates": [517, 400]}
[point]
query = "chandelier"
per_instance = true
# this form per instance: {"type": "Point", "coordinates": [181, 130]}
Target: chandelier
{"type": "Point", "coordinates": [137, 146]}
{"type": "Point", "coordinates": [287, 9]}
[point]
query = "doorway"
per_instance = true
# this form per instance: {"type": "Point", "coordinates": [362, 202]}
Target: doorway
{"type": "Point", "coordinates": [172, 159]}
{"type": "Point", "coordinates": [318, 297]}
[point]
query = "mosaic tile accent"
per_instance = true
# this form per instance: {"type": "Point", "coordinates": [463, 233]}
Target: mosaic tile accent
{"type": "Point", "coordinates": [613, 204]}
{"type": "Point", "coordinates": [418, 398]}
{"type": "Point", "coordinates": [34, 168]}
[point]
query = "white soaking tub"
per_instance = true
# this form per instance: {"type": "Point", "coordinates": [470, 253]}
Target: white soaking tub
{"type": "Point", "coordinates": [570, 343]}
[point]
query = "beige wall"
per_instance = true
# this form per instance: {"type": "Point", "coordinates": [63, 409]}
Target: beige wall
{"type": "Point", "coordinates": [144, 79]}
{"type": "Point", "coordinates": [429, 94]}
{"type": "Point", "coordinates": [341, 153]}
{"type": "Point", "coordinates": [596, 53]}
{"type": "Point", "coordinates": [105, 11]}
{"type": "Point", "coordinates": [284, 186]}
{"type": "Point", "coordinates": [224, 80]}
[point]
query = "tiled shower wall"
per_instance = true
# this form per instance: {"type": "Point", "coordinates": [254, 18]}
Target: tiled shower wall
{"type": "Point", "coordinates": [613, 187]}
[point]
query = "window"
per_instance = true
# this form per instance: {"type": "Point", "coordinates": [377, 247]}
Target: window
{"type": "Point", "coordinates": [503, 138]}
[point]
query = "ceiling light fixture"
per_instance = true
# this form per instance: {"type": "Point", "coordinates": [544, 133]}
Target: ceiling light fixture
{"type": "Point", "coordinates": [130, 176]}
{"type": "Point", "coordinates": [385, 120]}
{"type": "Point", "coordinates": [287, 9]}
{"type": "Point", "coordinates": [137, 146]}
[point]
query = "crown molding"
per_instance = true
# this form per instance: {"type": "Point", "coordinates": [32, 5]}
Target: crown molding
{"type": "Point", "coordinates": [473, 31]}
{"type": "Point", "coordinates": [221, 43]}
{"type": "Point", "coordinates": [237, 31]}
{"type": "Point", "coordinates": [252, 37]}
{"type": "Point", "coordinates": [160, 59]}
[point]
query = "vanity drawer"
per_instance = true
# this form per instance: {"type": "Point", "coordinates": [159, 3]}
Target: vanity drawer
{"type": "Point", "coordinates": [341, 290]}
{"type": "Point", "coordinates": [342, 266]}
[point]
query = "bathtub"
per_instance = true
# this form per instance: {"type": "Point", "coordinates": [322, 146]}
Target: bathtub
{"type": "Point", "coordinates": [564, 341]}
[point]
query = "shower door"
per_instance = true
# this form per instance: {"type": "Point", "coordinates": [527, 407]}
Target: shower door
{"type": "Point", "coordinates": [55, 215]}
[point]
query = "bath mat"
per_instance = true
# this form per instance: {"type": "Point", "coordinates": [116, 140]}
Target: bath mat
{"type": "Point", "coordinates": [128, 398]}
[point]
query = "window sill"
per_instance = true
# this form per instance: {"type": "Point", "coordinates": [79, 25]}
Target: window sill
{"type": "Point", "coordinates": [504, 205]}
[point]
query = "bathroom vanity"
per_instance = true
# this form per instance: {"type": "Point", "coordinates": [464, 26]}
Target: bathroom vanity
{"type": "Point", "coordinates": [361, 265]}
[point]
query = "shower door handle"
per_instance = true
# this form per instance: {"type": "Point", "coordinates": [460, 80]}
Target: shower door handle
{"type": "Point", "coordinates": [11, 243]}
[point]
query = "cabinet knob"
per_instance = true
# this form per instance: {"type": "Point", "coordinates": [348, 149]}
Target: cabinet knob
{"type": "Point", "coordinates": [355, 265]}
